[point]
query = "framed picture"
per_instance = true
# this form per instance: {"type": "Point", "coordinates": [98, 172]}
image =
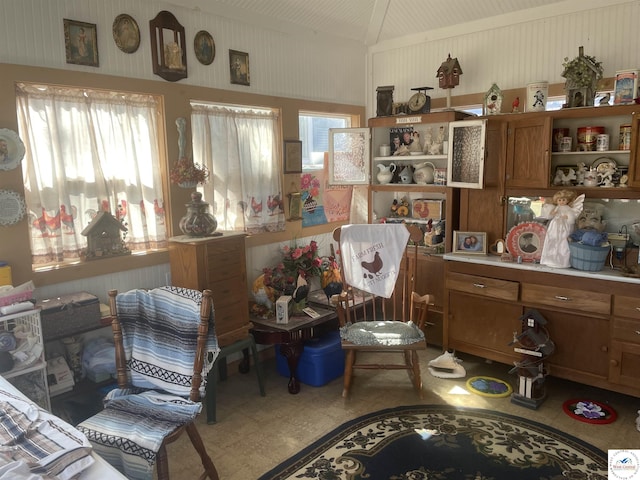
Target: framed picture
{"type": "Point", "coordinates": [168, 47]}
{"type": "Point", "coordinates": [292, 156]}
{"type": "Point", "coordinates": [204, 47]}
{"type": "Point", "coordinates": [126, 33]}
{"type": "Point", "coordinates": [81, 43]}
{"type": "Point", "coordinates": [295, 206]}
{"type": "Point", "coordinates": [465, 156]}
{"type": "Point", "coordinates": [626, 90]}
{"type": "Point", "coordinates": [239, 67]}
{"type": "Point", "coordinates": [469, 243]}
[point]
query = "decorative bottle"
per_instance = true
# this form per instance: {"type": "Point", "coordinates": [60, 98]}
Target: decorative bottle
{"type": "Point", "coordinates": [198, 222]}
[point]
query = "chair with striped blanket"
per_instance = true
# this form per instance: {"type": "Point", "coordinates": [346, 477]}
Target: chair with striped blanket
{"type": "Point", "coordinates": [165, 344]}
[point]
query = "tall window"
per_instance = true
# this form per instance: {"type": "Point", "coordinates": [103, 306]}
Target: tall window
{"type": "Point", "coordinates": [89, 151]}
{"type": "Point", "coordinates": [314, 133]}
{"type": "Point", "coordinates": [241, 147]}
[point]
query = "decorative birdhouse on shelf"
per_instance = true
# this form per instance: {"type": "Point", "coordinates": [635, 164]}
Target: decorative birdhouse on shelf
{"type": "Point", "coordinates": [582, 74]}
{"type": "Point", "coordinates": [449, 73]}
{"type": "Point", "coordinates": [104, 237]}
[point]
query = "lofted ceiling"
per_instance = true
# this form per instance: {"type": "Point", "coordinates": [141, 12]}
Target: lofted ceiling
{"type": "Point", "coordinates": [365, 21]}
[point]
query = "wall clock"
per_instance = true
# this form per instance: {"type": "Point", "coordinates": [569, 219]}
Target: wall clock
{"type": "Point", "coordinates": [420, 102]}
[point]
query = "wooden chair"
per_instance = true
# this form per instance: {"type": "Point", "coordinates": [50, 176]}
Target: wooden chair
{"type": "Point", "coordinates": [375, 325]}
{"type": "Point", "coordinates": [115, 432]}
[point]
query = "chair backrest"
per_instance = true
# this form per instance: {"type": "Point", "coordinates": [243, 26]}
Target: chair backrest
{"type": "Point", "coordinates": [162, 337]}
{"type": "Point", "coordinates": [367, 306]}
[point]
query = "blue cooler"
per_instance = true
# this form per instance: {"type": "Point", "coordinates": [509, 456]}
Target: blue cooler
{"type": "Point", "coordinates": [322, 360]}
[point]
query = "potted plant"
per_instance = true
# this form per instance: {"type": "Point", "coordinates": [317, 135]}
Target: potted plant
{"type": "Point", "coordinates": [187, 174]}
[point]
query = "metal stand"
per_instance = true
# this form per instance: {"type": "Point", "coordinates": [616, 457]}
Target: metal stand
{"type": "Point", "coordinates": [534, 344]}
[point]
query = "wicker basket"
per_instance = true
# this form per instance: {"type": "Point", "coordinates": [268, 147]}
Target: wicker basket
{"type": "Point", "coordinates": [587, 257]}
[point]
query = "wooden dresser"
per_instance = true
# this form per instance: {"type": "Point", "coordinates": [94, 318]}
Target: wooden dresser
{"type": "Point", "coordinates": [219, 264]}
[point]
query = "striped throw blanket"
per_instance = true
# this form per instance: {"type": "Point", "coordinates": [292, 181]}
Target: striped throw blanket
{"type": "Point", "coordinates": [160, 330]}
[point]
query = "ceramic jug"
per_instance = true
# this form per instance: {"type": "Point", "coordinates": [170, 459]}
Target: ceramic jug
{"type": "Point", "coordinates": [423, 173]}
{"type": "Point", "coordinates": [385, 173]}
{"type": "Point", "coordinates": [406, 175]}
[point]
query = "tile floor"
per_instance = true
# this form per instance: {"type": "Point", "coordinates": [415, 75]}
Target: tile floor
{"type": "Point", "coordinates": [253, 433]}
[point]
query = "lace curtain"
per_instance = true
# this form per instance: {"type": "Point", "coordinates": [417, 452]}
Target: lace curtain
{"type": "Point", "coordinates": [89, 151]}
{"type": "Point", "coordinates": [241, 149]}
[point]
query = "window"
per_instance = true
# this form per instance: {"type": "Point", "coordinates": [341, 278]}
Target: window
{"type": "Point", "coordinates": [242, 148]}
{"type": "Point", "coordinates": [89, 151]}
{"type": "Point", "coordinates": [314, 133]}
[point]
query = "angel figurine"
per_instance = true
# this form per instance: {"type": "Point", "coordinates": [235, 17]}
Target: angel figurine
{"type": "Point", "coordinates": [564, 211]}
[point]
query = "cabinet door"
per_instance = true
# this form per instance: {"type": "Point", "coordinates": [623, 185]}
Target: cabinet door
{"type": "Point", "coordinates": [634, 154]}
{"type": "Point", "coordinates": [624, 366]}
{"type": "Point", "coordinates": [483, 327]}
{"type": "Point", "coordinates": [528, 152]}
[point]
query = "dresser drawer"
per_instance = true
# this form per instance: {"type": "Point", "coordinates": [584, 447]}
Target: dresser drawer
{"type": "Point", "coordinates": [626, 307]}
{"type": "Point", "coordinates": [488, 287]}
{"type": "Point", "coordinates": [626, 330]}
{"type": "Point", "coordinates": [572, 299]}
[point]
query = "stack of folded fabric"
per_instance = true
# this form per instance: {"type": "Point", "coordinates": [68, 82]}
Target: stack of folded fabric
{"type": "Point", "coordinates": [447, 365]}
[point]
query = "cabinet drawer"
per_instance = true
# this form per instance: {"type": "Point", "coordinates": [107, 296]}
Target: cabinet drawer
{"type": "Point", "coordinates": [626, 307]}
{"type": "Point", "coordinates": [229, 291]}
{"type": "Point", "coordinates": [488, 287]}
{"type": "Point", "coordinates": [626, 329]}
{"type": "Point", "coordinates": [581, 300]}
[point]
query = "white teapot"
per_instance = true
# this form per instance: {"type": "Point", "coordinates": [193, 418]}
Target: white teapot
{"type": "Point", "coordinates": [423, 173]}
{"type": "Point", "coordinates": [406, 175]}
{"type": "Point", "coordinates": [385, 173]}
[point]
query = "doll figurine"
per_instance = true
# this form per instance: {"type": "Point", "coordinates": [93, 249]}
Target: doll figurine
{"type": "Point", "coordinates": [566, 208]}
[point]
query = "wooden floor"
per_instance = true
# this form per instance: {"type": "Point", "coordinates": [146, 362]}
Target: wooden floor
{"type": "Point", "coordinates": [255, 433]}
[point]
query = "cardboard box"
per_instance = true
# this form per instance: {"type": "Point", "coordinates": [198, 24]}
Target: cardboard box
{"type": "Point", "coordinates": [322, 360]}
{"type": "Point", "coordinates": [282, 309]}
{"type": "Point", "coordinates": [425, 209]}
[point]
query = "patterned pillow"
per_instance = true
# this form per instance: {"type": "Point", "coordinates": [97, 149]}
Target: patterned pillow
{"type": "Point", "coordinates": [389, 333]}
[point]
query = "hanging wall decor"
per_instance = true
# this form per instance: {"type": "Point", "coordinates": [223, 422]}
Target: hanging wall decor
{"type": "Point", "coordinates": [239, 67]}
{"type": "Point", "coordinates": [126, 33]}
{"type": "Point", "coordinates": [81, 43]}
{"type": "Point", "coordinates": [204, 47]}
{"type": "Point", "coordinates": [11, 149]}
{"type": "Point", "coordinates": [168, 43]}
{"type": "Point", "coordinates": [12, 207]}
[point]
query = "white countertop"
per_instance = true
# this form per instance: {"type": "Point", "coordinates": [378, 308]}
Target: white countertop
{"type": "Point", "coordinates": [494, 260]}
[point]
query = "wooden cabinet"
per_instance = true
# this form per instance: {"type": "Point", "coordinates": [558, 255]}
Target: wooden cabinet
{"type": "Point", "coordinates": [594, 322]}
{"type": "Point", "coordinates": [219, 264]}
{"type": "Point", "coordinates": [528, 152]}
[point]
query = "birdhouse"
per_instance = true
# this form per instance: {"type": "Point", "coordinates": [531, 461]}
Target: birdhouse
{"type": "Point", "coordinates": [104, 237]}
{"type": "Point", "coordinates": [449, 73]}
{"type": "Point", "coordinates": [582, 74]}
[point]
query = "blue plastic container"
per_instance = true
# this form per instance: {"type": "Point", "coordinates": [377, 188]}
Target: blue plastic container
{"type": "Point", "coordinates": [322, 360]}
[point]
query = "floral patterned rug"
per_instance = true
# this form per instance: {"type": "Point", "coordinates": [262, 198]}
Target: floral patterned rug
{"type": "Point", "coordinates": [443, 442]}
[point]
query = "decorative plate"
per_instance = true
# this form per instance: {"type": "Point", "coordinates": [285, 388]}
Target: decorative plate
{"type": "Point", "coordinates": [601, 164]}
{"type": "Point", "coordinates": [11, 149]}
{"type": "Point", "coordinates": [126, 33]}
{"type": "Point", "coordinates": [12, 207]}
{"type": "Point", "coordinates": [525, 240]}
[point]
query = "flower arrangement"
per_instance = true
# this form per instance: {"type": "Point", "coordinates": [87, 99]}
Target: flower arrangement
{"type": "Point", "coordinates": [296, 260]}
{"type": "Point", "coordinates": [184, 171]}
{"type": "Point", "coordinates": [309, 183]}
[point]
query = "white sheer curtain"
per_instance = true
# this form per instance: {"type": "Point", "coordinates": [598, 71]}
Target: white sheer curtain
{"type": "Point", "coordinates": [241, 148]}
{"type": "Point", "coordinates": [89, 151]}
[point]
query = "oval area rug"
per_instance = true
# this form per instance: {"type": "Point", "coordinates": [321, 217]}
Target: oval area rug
{"type": "Point", "coordinates": [489, 387]}
{"type": "Point", "coordinates": [589, 411]}
{"type": "Point", "coordinates": [444, 442]}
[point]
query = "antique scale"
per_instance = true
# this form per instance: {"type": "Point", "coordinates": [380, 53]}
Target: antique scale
{"type": "Point", "coordinates": [420, 102]}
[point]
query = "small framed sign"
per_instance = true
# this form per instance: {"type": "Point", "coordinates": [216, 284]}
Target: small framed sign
{"type": "Point", "coordinates": [292, 156]}
{"type": "Point", "coordinates": [626, 90]}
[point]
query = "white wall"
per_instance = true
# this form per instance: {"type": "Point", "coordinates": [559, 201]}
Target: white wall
{"type": "Point", "coordinates": [510, 50]}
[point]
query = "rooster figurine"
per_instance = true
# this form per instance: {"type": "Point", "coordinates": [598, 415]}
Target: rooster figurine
{"type": "Point", "coordinates": [301, 291]}
{"type": "Point", "coordinates": [330, 278]}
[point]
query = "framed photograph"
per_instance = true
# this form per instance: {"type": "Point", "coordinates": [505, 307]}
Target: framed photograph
{"type": "Point", "coordinates": [465, 157]}
{"type": "Point", "coordinates": [292, 156]}
{"type": "Point", "coordinates": [239, 67]}
{"type": "Point", "coordinates": [295, 206]}
{"type": "Point", "coordinates": [126, 33]}
{"type": "Point", "coordinates": [469, 243]}
{"type": "Point", "coordinates": [81, 43]}
{"type": "Point", "coordinates": [204, 47]}
{"type": "Point", "coordinates": [626, 90]}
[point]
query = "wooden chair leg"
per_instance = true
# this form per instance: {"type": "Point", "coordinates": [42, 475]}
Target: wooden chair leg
{"type": "Point", "coordinates": [349, 361]}
{"type": "Point", "coordinates": [417, 379]}
{"type": "Point", "coordinates": [209, 468]}
{"type": "Point", "coordinates": [162, 463]}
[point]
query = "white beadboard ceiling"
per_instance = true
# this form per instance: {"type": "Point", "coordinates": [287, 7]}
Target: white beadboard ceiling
{"type": "Point", "coordinates": [366, 21]}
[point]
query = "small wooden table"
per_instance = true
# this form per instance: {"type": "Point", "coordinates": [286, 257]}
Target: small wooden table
{"type": "Point", "coordinates": [291, 335]}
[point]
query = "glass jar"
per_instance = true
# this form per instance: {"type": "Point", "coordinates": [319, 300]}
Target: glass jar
{"type": "Point", "coordinates": [198, 222]}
